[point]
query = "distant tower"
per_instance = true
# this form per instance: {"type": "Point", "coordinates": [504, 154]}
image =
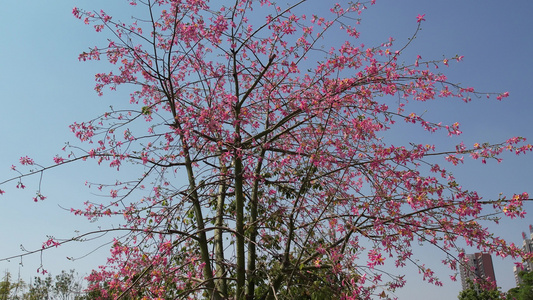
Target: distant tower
{"type": "Point", "coordinates": [479, 266]}
{"type": "Point", "coordinates": [527, 247]}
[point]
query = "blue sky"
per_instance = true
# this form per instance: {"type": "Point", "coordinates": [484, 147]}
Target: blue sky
{"type": "Point", "coordinates": [45, 88]}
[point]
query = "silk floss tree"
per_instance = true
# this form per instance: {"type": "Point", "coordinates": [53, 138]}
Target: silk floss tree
{"type": "Point", "coordinates": [265, 175]}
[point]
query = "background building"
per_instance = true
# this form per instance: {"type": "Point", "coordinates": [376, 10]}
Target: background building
{"type": "Point", "coordinates": [528, 248]}
{"type": "Point", "coordinates": [479, 266]}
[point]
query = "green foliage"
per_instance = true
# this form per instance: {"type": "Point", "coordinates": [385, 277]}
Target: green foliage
{"type": "Point", "coordinates": [5, 286]}
{"type": "Point", "coordinates": [64, 286]}
{"type": "Point", "coordinates": [525, 290]}
{"type": "Point", "coordinates": [476, 292]}
{"type": "Point", "coordinates": [41, 289]}
{"type": "Point", "coordinates": [9, 289]}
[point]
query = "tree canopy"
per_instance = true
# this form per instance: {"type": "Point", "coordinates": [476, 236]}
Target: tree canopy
{"type": "Point", "coordinates": [477, 291]}
{"type": "Point", "coordinates": [64, 286]}
{"type": "Point", "coordinates": [252, 156]}
{"type": "Point", "coordinates": [524, 291]}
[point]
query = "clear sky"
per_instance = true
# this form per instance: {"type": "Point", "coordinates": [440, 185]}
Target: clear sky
{"type": "Point", "coordinates": [44, 89]}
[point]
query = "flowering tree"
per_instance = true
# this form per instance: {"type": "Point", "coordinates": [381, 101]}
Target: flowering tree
{"type": "Point", "coordinates": [257, 133]}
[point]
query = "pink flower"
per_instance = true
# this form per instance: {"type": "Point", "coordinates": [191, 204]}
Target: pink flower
{"type": "Point", "coordinates": [26, 161]}
{"type": "Point", "coordinates": [41, 270]}
{"type": "Point", "coordinates": [76, 13]}
{"type": "Point", "coordinates": [38, 197]}
{"type": "Point", "coordinates": [420, 18]}
{"type": "Point", "coordinates": [453, 278]}
{"type": "Point", "coordinates": [501, 96]}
